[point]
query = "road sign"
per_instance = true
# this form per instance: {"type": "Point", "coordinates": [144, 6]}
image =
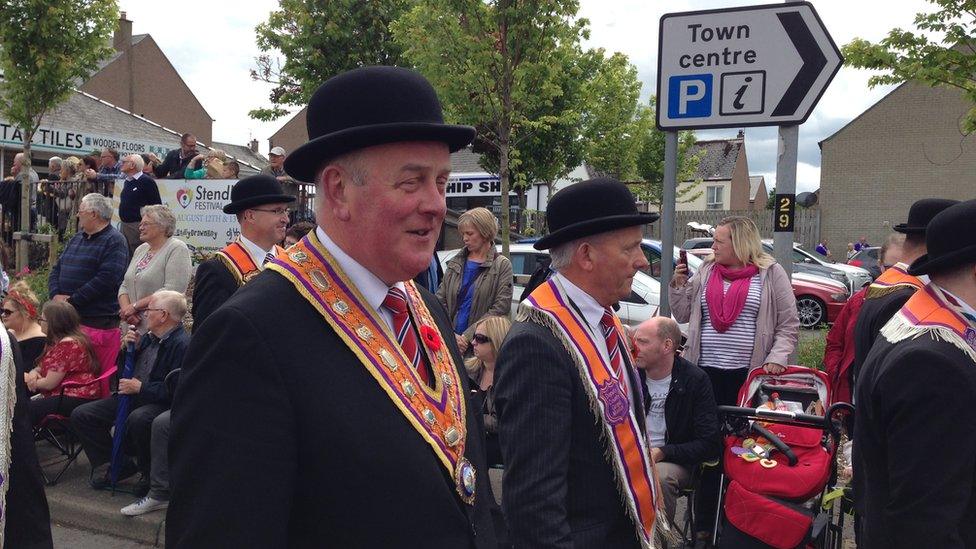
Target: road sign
{"type": "Point", "coordinates": [750, 66]}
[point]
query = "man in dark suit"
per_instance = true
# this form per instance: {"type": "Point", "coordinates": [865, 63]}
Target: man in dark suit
{"type": "Point", "coordinates": [324, 402]}
{"type": "Point", "coordinates": [893, 288]}
{"type": "Point", "coordinates": [174, 166]}
{"type": "Point", "coordinates": [915, 427]}
{"type": "Point", "coordinates": [262, 211]}
{"type": "Point", "coordinates": [569, 401]}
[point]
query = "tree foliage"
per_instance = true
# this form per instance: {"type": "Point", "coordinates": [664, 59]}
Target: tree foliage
{"type": "Point", "coordinates": [494, 63]}
{"type": "Point", "coordinates": [613, 124]}
{"type": "Point", "coordinates": [650, 162]}
{"type": "Point", "coordinates": [941, 53]}
{"type": "Point", "coordinates": [319, 39]}
{"type": "Point", "coordinates": [46, 48]}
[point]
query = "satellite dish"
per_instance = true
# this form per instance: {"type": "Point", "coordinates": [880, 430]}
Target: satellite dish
{"type": "Point", "coordinates": [701, 227]}
{"type": "Point", "coordinates": [807, 199]}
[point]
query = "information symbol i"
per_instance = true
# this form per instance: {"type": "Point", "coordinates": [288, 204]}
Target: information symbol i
{"type": "Point", "coordinates": [743, 93]}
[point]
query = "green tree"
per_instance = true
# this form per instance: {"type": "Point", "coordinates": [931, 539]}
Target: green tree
{"type": "Point", "coordinates": [650, 162]}
{"type": "Point", "coordinates": [46, 46]}
{"type": "Point", "coordinates": [941, 53]}
{"type": "Point", "coordinates": [491, 62]}
{"type": "Point", "coordinates": [319, 39]}
{"type": "Point", "coordinates": [613, 125]}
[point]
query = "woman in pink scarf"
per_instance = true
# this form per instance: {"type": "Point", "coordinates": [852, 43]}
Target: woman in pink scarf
{"type": "Point", "coordinates": [742, 315]}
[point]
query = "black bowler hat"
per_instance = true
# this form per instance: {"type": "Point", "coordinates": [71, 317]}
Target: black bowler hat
{"type": "Point", "coordinates": [255, 191]}
{"type": "Point", "coordinates": [371, 106]}
{"type": "Point", "coordinates": [588, 208]}
{"type": "Point", "coordinates": [950, 239]}
{"type": "Point", "coordinates": [921, 212]}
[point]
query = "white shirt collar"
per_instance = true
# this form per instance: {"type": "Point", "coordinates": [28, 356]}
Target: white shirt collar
{"type": "Point", "coordinates": [592, 311]}
{"type": "Point", "coordinates": [256, 252]}
{"type": "Point", "coordinates": [373, 289]}
{"type": "Point", "coordinates": [135, 177]}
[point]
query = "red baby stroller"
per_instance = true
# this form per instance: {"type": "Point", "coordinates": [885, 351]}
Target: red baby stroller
{"type": "Point", "coordinates": [779, 462]}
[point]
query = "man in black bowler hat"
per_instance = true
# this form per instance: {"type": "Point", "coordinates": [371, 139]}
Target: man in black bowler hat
{"type": "Point", "coordinates": [569, 399]}
{"type": "Point", "coordinates": [262, 211]}
{"type": "Point", "coordinates": [324, 404]}
{"type": "Point", "coordinates": [915, 426]}
{"type": "Point", "coordinates": [892, 289]}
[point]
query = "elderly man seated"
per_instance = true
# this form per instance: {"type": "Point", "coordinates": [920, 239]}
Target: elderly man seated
{"type": "Point", "coordinates": [158, 353]}
{"type": "Point", "coordinates": [682, 421]}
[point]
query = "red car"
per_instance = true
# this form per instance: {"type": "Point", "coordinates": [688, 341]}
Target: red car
{"type": "Point", "coordinates": [818, 299]}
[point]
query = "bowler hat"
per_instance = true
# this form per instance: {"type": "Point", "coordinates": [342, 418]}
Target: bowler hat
{"type": "Point", "coordinates": [921, 212]}
{"type": "Point", "coordinates": [255, 191]}
{"type": "Point", "coordinates": [588, 208]}
{"type": "Point", "coordinates": [950, 239]}
{"type": "Point", "coordinates": [371, 106]}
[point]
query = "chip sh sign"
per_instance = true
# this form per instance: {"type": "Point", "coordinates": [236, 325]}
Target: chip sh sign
{"type": "Point", "coordinates": [750, 66]}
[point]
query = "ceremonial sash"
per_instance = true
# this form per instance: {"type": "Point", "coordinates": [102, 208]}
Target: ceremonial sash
{"type": "Point", "coordinates": [891, 280]}
{"type": "Point", "coordinates": [240, 263]}
{"type": "Point", "coordinates": [929, 312]}
{"type": "Point", "coordinates": [437, 414]}
{"type": "Point", "coordinates": [627, 450]}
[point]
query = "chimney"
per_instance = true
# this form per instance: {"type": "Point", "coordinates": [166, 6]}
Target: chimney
{"type": "Point", "coordinates": [742, 135]}
{"type": "Point", "coordinates": [253, 145]}
{"type": "Point", "coordinates": [123, 35]}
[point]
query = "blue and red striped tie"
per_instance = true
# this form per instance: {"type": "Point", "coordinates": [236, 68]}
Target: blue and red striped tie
{"type": "Point", "coordinates": [613, 340]}
{"type": "Point", "coordinates": [396, 303]}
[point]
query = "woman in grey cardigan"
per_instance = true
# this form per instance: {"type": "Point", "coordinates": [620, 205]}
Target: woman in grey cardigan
{"type": "Point", "coordinates": [160, 263]}
{"type": "Point", "coordinates": [741, 315]}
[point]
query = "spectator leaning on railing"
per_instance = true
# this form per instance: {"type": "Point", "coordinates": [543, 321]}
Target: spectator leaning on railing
{"type": "Point", "coordinates": [177, 159]}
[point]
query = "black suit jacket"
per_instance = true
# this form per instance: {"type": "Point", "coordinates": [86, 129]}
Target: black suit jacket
{"type": "Point", "coordinates": [874, 314]}
{"type": "Point", "coordinates": [915, 446]}
{"type": "Point", "coordinates": [212, 286]}
{"type": "Point", "coordinates": [281, 438]}
{"type": "Point", "coordinates": [558, 490]}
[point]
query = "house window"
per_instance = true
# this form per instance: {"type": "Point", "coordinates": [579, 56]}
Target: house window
{"type": "Point", "coordinates": [714, 198]}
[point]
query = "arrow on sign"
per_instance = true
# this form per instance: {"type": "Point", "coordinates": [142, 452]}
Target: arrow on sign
{"type": "Point", "coordinates": [813, 58]}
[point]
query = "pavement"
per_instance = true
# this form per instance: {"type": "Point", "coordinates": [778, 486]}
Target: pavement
{"type": "Point", "coordinates": [75, 506]}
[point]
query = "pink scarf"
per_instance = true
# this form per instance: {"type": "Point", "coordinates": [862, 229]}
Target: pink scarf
{"type": "Point", "coordinates": [724, 308]}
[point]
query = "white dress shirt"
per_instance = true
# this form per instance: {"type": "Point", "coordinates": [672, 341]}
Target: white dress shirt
{"type": "Point", "coordinates": [256, 252]}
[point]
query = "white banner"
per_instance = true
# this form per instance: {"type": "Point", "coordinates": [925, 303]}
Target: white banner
{"type": "Point", "coordinates": [198, 206]}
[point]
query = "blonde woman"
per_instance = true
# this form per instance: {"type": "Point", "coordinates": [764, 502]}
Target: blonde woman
{"type": "Point", "coordinates": [741, 313]}
{"type": "Point", "coordinates": [478, 280]}
{"type": "Point", "coordinates": [489, 333]}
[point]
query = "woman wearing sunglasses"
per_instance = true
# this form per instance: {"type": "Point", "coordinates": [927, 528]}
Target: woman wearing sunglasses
{"type": "Point", "coordinates": [68, 356]}
{"type": "Point", "coordinates": [489, 332]}
{"type": "Point", "coordinates": [20, 316]}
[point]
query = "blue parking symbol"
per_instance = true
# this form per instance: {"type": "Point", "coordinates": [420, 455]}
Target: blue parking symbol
{"type": "Point", "coordinates": [690, 96]}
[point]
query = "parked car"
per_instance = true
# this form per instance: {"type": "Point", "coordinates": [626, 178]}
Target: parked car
{"type": "Point", "coordinates": [801, 263]}
{"type": "Point", "coordinates": [819, 299]}
{"type": "Point", "coordinates": [857, 277]}
{"type": "Point", "coordinates": [643, 302]}
{"type": "Point", "coordinates": [868, 258]}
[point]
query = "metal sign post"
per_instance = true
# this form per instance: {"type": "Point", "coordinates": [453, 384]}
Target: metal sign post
{"type": "Point", "coordinates": [669, 197]}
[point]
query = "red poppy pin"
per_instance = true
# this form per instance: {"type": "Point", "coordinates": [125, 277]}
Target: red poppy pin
{"type": "Point", "coordinates": [431, 338]}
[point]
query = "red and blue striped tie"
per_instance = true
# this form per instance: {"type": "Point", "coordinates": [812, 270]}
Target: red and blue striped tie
{"type": "Point", "coordinates": [613, 339]}
{"type": "Point", "coordinates": [396, 303]}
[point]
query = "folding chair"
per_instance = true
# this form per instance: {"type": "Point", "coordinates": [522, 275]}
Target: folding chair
{"type": "Point", "coordinates": [56, 428]}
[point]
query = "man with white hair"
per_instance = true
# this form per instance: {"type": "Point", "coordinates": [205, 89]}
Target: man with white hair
{"type": "Point", "coordinates": [54, 168]}
{"type": "Point", "coordinates": [158, 352]}
{"type": "Point", "coordinates": [89, 272]}
{"type": "Point", "coordinates": [139, 190]}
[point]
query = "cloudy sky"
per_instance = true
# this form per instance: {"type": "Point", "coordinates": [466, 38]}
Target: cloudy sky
{"type": "Point", "coordinates": [212, 46]}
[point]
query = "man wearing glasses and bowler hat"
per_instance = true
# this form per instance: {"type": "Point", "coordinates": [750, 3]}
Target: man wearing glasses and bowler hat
{"type": "Point", "coordinates": [262, 211]}
{"type": "Point", "coordinates": [325, 402]}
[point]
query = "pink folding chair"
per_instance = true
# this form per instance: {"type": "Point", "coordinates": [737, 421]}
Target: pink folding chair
{"type": "Point", "coordinates": [106, 344]}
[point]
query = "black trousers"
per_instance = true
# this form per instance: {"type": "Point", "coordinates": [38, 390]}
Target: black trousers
{"type": "Point", "coordinates": [41, 407]}
{"type": "Point", "coordinates": [725, 385]}
{"type": "Point", "coordinates": [92, 421]}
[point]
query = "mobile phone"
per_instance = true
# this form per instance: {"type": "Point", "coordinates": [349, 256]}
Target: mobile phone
{"type": "Point", "coordinates": [683, 257]}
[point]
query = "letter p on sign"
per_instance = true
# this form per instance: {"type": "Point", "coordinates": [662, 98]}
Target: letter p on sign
{"type": "Point", "coordinates": [690, 96]}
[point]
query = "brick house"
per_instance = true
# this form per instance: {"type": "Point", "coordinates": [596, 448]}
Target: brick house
{"type": "Point", "coordinates": [905, 147]}
{"type": "Point", "coordinates": [291, 135]}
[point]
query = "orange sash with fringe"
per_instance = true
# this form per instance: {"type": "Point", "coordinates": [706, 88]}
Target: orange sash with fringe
{"type": "Point", "coordinates": [928, 309]}
{"type": "Point", "coordinates": [627, 449]}
{"type": "Point", "coordinates": [892, 279]}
